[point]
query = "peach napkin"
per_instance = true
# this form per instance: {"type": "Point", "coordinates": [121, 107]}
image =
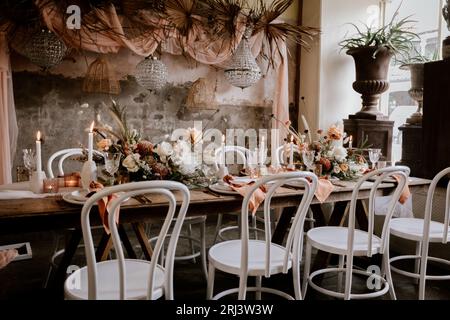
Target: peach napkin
{"type": "Point", "coordinates": [324, 189]}
{"type": "Point", "coordinates": [7, 256]}
{"type": "Point", "coordinates": [104, 205]}
{"type": "Point", "coordinates": [243, 189]}
{"type": "Point", "coordinates": [406, 193]}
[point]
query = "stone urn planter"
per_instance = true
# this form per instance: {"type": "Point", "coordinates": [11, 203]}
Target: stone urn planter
{"type": "Point", "coordinates": [371, 79]}
{"type": "Point", "coordinates": [416, 91]}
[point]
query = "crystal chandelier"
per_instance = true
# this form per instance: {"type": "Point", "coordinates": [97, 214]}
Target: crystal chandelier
{"type": "Point", "coordinates": [151, 73]}
{"type": "Point", "coordinates": [243, 71]}
{"type": "Point", "coordinates": [45, 49]}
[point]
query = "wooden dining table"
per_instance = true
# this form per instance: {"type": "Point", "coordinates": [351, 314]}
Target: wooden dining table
{"type": "Point", "coordinates": [53, 213]}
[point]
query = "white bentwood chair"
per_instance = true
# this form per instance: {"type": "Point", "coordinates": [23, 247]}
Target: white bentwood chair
{"type": "Point", "coordinates": [63, 155]}
{"type": "Point", "coordinates": [423, 231]}
{"type": "Point", "coordinates": [280, 153]}
{"type": "Point", "coordinates": [257, 258]}
{"type": "Point", "coordinates": [129, 278]}
{"type": "Point", "coordinates": [348, 242]}
{"type": "Point", "coordinates": [243, 155]}
{"type": "Point", "coordinates": [280, 158]}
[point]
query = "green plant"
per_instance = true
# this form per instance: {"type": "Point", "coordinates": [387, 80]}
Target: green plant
{"type": "Point", "coordinates": [397, 36]}
{"type": "Point", "coordinates": [416, 56]}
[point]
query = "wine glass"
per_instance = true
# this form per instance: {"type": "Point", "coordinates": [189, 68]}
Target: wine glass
{"type": "Point", "coordinates": [29, 159]}
{"type": "Point", "coordinates": [112, 162]}
{"type": "Point", "coordinates": [308, 159]}
{"type": "Point", "coordinates": [374, 156]}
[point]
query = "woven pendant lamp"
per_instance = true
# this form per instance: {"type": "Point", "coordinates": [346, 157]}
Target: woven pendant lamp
{"type": "Point", "coordinates": [100, 78]}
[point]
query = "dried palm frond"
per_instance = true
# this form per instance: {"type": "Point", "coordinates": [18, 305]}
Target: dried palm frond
{"type": "Point", "coordinates": [263, 17]}
{"type": "Point", "coordinates": [181, 13]}
{"type": "Point", "coordinates": [222, 16]}
{"type": "Point", "coordinates": [131, 7]}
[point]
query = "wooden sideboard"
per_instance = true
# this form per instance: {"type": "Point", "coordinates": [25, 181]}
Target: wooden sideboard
{"type": "Point", "coordinates": [436, 118]}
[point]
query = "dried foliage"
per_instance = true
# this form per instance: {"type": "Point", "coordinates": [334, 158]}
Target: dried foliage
{"type": "Point", "coordinates": [219, 18]}
{"type": "Point", "coordinates": [263, 18]}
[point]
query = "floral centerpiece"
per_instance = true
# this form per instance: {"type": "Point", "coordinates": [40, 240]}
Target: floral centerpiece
{"type": "Point", "coordinates": [142, 160]}
{"type": "Point", "coordinates": [329, 152]}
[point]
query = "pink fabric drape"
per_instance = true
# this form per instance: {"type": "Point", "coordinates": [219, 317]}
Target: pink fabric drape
{"type": "Point", "coordinates": [197, 45]}
{"type": "Point", "coordinates": [8, 123]}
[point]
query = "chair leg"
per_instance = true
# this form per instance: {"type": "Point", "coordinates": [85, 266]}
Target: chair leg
{"type": "Point", "coordinates": [296, 278]}
{"type": "Point", "coordinates": [191, 243]}
{"type": "Point", "coordinates": [242, 287]}
{"type": "Point", "coordinates": [417, 262]}
{"type": "Point", "coordinates": [258, 281]}
{"type": "Point", "coordinates": [210, 285]}
{"type": "Point", "coordinates": [50, 268]}
{"type": "Point", "coordinates": [423, 270]}
{"type": "Point", "coordinates": [341, 273]}
{"type": "Point", "coordinates": [218, 225]}
{"type": "Point", "coordinates": [387, 270]}
{"type": "Point", "coordinates": [307, 267]}
{"type": "Point", "coordinates": [203, 249]}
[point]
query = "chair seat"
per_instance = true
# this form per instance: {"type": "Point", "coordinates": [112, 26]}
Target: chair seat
{"type": "Point", "coordinates": [412, 229]}
{"type": "Point", "coordinates": [226, 256]}
{"type": "Point", "coordinates": [334, 240]}
{"type": "Point", "coordinates": [137, 272]}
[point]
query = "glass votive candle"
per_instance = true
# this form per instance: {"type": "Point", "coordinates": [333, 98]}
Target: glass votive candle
{"type": "Point", "coordinates": [51, 185]}
{"type": "Point", "coordinates": [71, 181]}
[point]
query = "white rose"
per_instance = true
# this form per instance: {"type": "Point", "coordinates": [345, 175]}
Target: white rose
{"type": "Point", "coordinates": [188, 164]}
{"type": "Point", "coordinates": [339, 153]}
{"type": "Point", "coordinates": [131, 162]}
{"type": "Point", "coordinates": [164, 150]}
{"type": "Point", "coordinates": [336, 169]}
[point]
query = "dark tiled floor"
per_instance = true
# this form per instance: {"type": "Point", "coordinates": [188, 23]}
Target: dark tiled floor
{"type": "Point", "coordinates": [24, 279]}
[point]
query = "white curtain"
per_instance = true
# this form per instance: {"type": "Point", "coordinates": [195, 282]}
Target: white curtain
{"type": "Point", "coordinates": [8, 121]}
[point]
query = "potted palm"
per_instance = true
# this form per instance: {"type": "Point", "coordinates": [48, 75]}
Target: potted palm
{"type": "Point", "coordinates": [416, 65]}
{"type": "Point", "coordinates": [372, 51]}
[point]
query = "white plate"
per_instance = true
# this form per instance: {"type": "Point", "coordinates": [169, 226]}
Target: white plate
{"type": "Point", "coordinates": [222, 188]}
{"type": "Point", "coordinates": [79, 195]}
{"type": "Point", "coordinates": [243, 179]}
{"type": "Point", "coordinates": [68, 197]}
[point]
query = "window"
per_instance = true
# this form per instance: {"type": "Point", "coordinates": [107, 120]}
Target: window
{"type": "Point", "coordinates": [431, 28]}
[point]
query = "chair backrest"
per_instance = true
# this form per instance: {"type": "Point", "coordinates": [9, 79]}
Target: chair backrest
{"type": "Point", "coordinates": [429, 206]}
{"type": "Point", "coordinates": [124, 191]}
{"type": "Point", "coordinates": [63, 154]}
{"type": "Point", "coordinates": [241, 152]}
{"type": "Point", "coordinates": [280, 153]}
{"type": "Point", "coordinates": [294, 241]}
{"type": "Point", "coordinates": [377, 177]}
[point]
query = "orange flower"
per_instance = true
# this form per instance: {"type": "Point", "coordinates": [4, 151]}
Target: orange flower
{"type": "Point", "coordinates": [334, 133]}
{"type": "Point", "coordinates": [344, 167]}
{"type": "Point", "coordinates": [104, 144]}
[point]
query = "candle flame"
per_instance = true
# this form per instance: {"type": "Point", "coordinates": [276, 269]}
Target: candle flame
{"type": "Point", "coordinates": [292, 138]}
{"type": "Point", "coordinates": [351, 138]}
{"type": "Point", "coordinates": [38, 136]}
{"type": "Point", "coordinates": [91, 129]}
{"type": "Point", "coordinates": [223, 138]}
